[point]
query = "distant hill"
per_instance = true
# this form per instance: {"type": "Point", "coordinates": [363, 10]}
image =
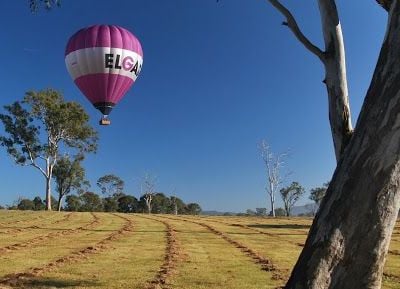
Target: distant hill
{"type": "Point", "coordinates": [298, 210]}
{"type": "Point", "coordinates": [216, 213]}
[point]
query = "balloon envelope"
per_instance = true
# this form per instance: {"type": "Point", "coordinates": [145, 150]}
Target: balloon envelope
{"type": "Point", "coordinates": [104, 61]}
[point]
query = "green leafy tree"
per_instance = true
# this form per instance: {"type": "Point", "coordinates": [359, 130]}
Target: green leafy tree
{"type": "Point", "coordinates": [38, 204]}
{"type": "Point", "coordinates": [193, 209]}
{"type": "Point", "coordinates": [177, 206]}
{"type": "Point", "coordinates": [25, 204]}
{"type": "Point", "coordinates": [39, 125]}
{"type": "Point", "coordinates": [69, 176]}
{"type": "Point", "coordinates": [261, 211]}
{"type": "Point", "coordinates": [110, 204]}
{"type": "Point", "coordinates": [111, 185]}
{"type": "Point", "coordinates": [91, 202]}
{"type": "Point", "coordinates": [73, 203]}
{"type": "Point", "coordinates": [317, 194]}
{"type": "Point", "coordinates": [128, 204]}
{"type": "Point", "coordinates": [250, 212]}
{"type": "Point", "coordinates": [161, 204]}
{"type": "Point", "coordinates": [279, 212]}
{"type": "Point", "coordinates": [290, 195]}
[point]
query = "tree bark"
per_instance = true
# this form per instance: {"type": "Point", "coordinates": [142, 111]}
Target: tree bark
{"type": "Point", "coordinates": [59, 202]}
{"type": "Point", "coordinates": [349, 238]}
{"type": "Point", "coordinates": [272, 200]}
{"type": "Point", "coordinates": [48, 176]}
{"type": "Point", "coordinates": [148, 204]}
{"type": "Point", "coordinates": [336, 79]}
{"type": "Point", "coordinates": [334, 62]}
{"type": "Point", "coordinates": [48, 193]}
{"type": "Point", "coordinates": [148, 209]}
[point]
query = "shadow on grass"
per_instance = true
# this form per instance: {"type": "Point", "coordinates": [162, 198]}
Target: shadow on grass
{"type": "Point", "coordinates": [54, 283]}
{"type": "Point", "coordinates": [277, 226]}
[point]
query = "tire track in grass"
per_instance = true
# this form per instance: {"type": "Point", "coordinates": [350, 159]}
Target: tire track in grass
{"type": "Point", "coordinates": [259, 231]}
{"type": "Point", "coordinates": [173, 255]}
{"type": "Point", "coordinates": [394, 252]}
{"type": "Point", "coordinates": [21, 278]}
{"type": "Point", "coordinates": [391, 252]}
{"type": "Point", "coordinates": [17, 214]}
{"type": "Point", "coordinates": [391, 277]}
{"type": "Point", "coordinates": [65, 218]}
{"type": "Point", "coordinates": [40, 239]}
{"type": "Point", "coordinates": [15, 222]}
{"type": "Point", "coordinates": [265, 263]}
{"type": "Point", "coordinates": [265, 233]}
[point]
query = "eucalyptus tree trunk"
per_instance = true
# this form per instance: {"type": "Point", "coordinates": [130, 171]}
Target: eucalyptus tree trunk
{"type": "Point", "coordinates": [48, 175]}
{"type": "Point", "coordinates": [59, 202]}
{"type": "Point", "coordinates": [335, 80]}
{"type": "Point", "coordinates": [48, 193]}
{"type": "Point", "coordinates": [349, 238]}
{"type": "Point", "coordinates": [333, 59]}
{"type": "Point", "coordinates": [272, 196]}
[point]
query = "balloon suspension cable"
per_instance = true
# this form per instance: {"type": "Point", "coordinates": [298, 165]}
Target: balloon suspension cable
{"type": "Point", "coordinates": [104, 120]}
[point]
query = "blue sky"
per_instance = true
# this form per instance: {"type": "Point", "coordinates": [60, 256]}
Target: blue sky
{"type": "Point", "coordinates": [216, 79]}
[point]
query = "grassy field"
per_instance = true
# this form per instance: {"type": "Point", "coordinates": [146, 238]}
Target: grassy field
{"type": "Point", "coordinates": [103, 250]}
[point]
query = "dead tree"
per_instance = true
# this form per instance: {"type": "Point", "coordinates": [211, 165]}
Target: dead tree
{"type": "Point", "coordinates": [273, 164]}
{"type": "Point", "coordinates": [148, 189]}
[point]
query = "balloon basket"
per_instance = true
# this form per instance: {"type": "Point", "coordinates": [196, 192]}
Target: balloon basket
{"type": "Point", "coordinates": [105, 121]}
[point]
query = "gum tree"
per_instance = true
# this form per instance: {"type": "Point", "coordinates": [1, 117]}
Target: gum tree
{"type": "Point", "coordinates": [290, 195]}
{"type": "Point", "coordinates": [69, 176]}
{"type": "Point", "coordinates": [349, 238]}
{"type": "Point", "coordinates": [39, 126]}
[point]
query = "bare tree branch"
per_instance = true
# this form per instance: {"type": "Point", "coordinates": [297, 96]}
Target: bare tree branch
{"type": "Point", "coordinates": [292, 24]}
{"type": "Point", "coordinates": [33, 163]}
{"type": "Point", "coordinates": [274, 164]}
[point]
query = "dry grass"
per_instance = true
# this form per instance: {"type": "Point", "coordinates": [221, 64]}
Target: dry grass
{"type": "Point", "coordinates": [83, 250]}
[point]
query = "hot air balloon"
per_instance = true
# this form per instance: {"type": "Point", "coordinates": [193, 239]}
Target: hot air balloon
{"type": "Point", "coordinates": [104, 61]}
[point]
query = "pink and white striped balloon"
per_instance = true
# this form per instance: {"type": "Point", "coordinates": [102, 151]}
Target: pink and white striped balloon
{"type": "Point", "coordinates": [104, 61]}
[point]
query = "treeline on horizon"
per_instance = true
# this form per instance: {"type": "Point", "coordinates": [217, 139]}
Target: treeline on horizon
{"type": "Point", "coordinates": [120, 202]}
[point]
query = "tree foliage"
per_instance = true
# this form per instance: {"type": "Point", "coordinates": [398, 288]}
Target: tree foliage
{"type": "Point", "coordinates": [110, 204]}
{"type": "Point", "coordinates": [90, 202]}
{"type": "Point", "coordinates": [73, 203]}
{"type": "Point", "coordinates": [26, 204]}
{"type": "Point", "coordinates": [38, 204]}
{"type": "Point", "coordinates": [290, 195]}
{"type": "Point", "coordinates": [69, 176]}
{"type": "Point", "coordinates": [128, 204]}
{"type": "Point", "coordinates": [318, 193]}
{"type": "Point", "coordinates": [111, 185]}
{"type": "Point", "coordinates": [37, 127]}
{"type": "Point", "coordinates": [35, 5]}
{"type": "Point", "coordinates": [193, 209]}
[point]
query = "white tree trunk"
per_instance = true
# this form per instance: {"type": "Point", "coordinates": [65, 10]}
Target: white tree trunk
{"type": "Point", "coordinates": [48, 193]}
{"type": "Point", "coordinates": [334, 62]}
{"type": "Point", "coordinates": [349, 239]}
{"type": "Point", "coordinates": [48, 176]}
{"type": "Point", "coordinates": [336, 79]}
{"type": "Point", "coordinates": [272, 197]}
